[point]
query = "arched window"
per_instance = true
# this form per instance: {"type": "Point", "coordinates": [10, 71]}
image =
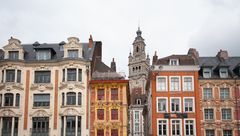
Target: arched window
{"type": "Point", "coordinates": [79, 98]}
{"type": "Point", "coordinates": [138, 101]}
{"type": "Point", "coordinates": [63, 99]}
{"type": "Point", "coordinates": [133, 69]}
{"type": "Point", "coordinates": [17, 99]}
{"type": "Point", "coordinates": [8, 99]}
{"type": "Point", "coordinates": [137, 48]}
{"type": "Point", "coordinates": [71, 98]}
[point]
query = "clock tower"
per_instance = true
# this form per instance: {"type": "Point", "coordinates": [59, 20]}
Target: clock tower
{"type": "Point", "coordinates": [138, 64]}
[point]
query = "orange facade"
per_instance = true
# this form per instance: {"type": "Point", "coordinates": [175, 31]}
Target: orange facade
{"type": "Point", "coordinates": [169, 115]}
{"type": "Point", "coordinates": [108, 107]}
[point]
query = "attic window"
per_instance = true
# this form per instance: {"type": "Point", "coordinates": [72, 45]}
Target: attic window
{"type": "Point", "coordinates": [207, 73]}
{"type": "Point", "coordinates": [173, 62]}
{"type": "Point", "coordinates": [43, 54]}
{"type": "Point", "coordinates": [223, 72]}
{"type": "Point", "coordinates": [13, 55]}
{"type": "Point", "coordinates": [73, 53]}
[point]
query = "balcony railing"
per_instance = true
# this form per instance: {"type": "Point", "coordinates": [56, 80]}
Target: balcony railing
{"type": "Point", "coordinates": [40, 132]}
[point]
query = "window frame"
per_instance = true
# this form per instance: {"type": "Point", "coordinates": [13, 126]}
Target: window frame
{"type": "Point", "coordinates": [157, 100]}
{"type": "Point", "coordinates": [71, 99]}
{"type": "Point", "coordinates": [180, 105]}
{"type": "Point", "coordinates": [212, 97]}
{"type": "Point", "coordinates": [167, 126]}
{"type": "Point", "coordinates": [209, 115]}
{"type": "Point", "coordinates": [227, 130]}
{"type": "Point", "coordinates": [73, 53]}
{"type": "Point", "coordinates": [158, 84]}
{"type": "Point", "coordinates": [98, 95]}
{"type": "Point", "coordinates": [179, 83]}
{"type": "Point", "coordinates": [221, 70]}
{"type": "Point", "coordinates": [180, 122]}
{"type": "Point", "coordinates": [205, 71]}
{"type": "Point", "coordinates": [42, 77]}
{"type": "Point", "coordinates": [41, 102]}
{"type": "Point", "coordinates": [114, 96]}
{"type": "Point", "coordinates": [183, 83]}
{"type": "Point", "coordinates": [8, 78]}
{"type": "Point", "coordinates": [10, 100]}
{"type": "Point", "coordinates": [117, 117]}
{"type": "Point", "coordinates": [174, 62]}
{"type": "Point", "coordinates": [224, 89]}
{"type": "Point", "coordinates": [222, 114]}
{"type": "Point", "coordinates": [194, 126]}
{"type": "Point", "coordinates": [209, 130]}
{"type": "Point", "coordinates": [98, 118]}
{"type": "Point", "coordinates": [13, 55]}
{"type": "Point", "coordinates": [193, 107]}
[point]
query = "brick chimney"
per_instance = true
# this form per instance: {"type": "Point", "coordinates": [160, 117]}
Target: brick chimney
{"type": "Point", "coordinates": [155, 58]}
{"type": "Point", "coordinates": [90, 43]}
{"type": "Point", "coordinates": [113, 65]}
{"type": "Point", "coordinates": [222, 54]}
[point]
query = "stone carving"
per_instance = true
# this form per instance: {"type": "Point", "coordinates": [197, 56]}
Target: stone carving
{"type": "Point", "coordinates": [40, 113]}
{"type": "Point", "coordinates": [41, 87]}
{"type": "Point", "coordinates": [71, 112]}
{"type": "Point", "coordinates": [8, 113]}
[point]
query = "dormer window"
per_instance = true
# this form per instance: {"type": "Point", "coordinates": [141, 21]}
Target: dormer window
{"type": "Point", "coordinates": [43, 54]}
{"type": "Point", "coordinates": [173, 62]}
{"type": "Point", "coordinates": [13, 55]}
{"type": "Point", "coordinates": [72, 53]}
{"type": "Point", "coordinates": [207, 73]}
{"type": "Point", "coordinates": [223, 72]}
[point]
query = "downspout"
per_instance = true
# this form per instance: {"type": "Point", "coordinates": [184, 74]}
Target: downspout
{"type": "Point", "coordinates": [236, 99]}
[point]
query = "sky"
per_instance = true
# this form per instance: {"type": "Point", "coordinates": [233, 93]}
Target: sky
{"type": "Point", "coordinates": [168, 26]}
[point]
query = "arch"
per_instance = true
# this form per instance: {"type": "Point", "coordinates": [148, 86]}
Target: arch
{"type": "Point", "coordinates": [8, 113]}
{"type": "Point", "coordinates": [40, 113]}
{"type": "Point", "coordinates": [71, 112]}
{"type": "Point", "coordinates": [137, 48]}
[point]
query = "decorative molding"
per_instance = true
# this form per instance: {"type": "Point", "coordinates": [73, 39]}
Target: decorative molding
{"type": "Point", "coordinates": [9, 113]}
{"type": "Point", "coordinates": [71, 85]}
{"type": "Point", "coordinates": [11, 86]}
{"type": "Point", "coordinates": [72, 112]}
{"type": "Point", "coordinates": [41, 87]}
{"type": "Point", "coordinates": [40, 113]}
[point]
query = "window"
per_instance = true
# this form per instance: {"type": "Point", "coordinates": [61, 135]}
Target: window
{"type": "Point", "coordinates": [80, 75]}
{"type": "Point", "coordinates": [174, 62]}
{"type": "Point", "coordinates": [136, 127]}
{"type": "Point", "coordinates": [0, 101]}
{"type": "Point", "coordinates": [176, 127]}
{"type": "Point", "coordinates": [207, 93]}
{"type": "Point", "coordinates": [114, 132]}
{"type": "Point", "coordinates": [207, 73]}
{"type": "Point", "coordinates": [114, 94]}
{"type": "Point", "coordinates": [63, 75]}
{"type": "Point", "coordinates": [188, 83]}
{"type": "Point", "coordinates": [73, 53]}
{"type": "Point", "coordinates": [223, 72]}
{"type": "Point", "coordinates": [8, 99]}
{"type": "Point", "coordinates": [226, 114]}
{"type": "Point", "coordinates": [40, 126]}
{"type": "Point", "coordinates": [43, 54]}
{"type": "Point", "coordinates": [100, 132]}
{"type": "Point", "coordinates": [63, 99]}
{"type": "Point", "coordinates": [224, 93]}
{"type": "Point", "coordinates": [175, 84]}
{"type": "Point", "coordinates": [71, 74]}
{"type": "Point", "coordinates": [208, 114]}
{"type": "Point", "coordinates": [136, 115]}
{"type": "Point", "coordinates": [189, 128]}
{"type": "Point", "coordinates": [138, 101]}
{"type": "Point", "coordinates": [100, 94]}
{"type": "Point", "coordinates": [2, 76]}
{"type": "Point", "coordinates": [189, 105]}
{"type": "Point", "coordinates": [41, 100]}
{"type": "Point", "coordinates": [18, 76]}
{"type": "Point", "coordinates": [100, 114]}
{"type": "Point", "coordinates": [79, 98]}
{"type": "Point", "coordinates": [42, 76]}
{"type": "Point", "coordinates": [162, 129]}
{"type": "Point", "coordinates": [10, 75]}
{"type": "Point", "coordinates": [7, 126]}
{"type": "Point", "coordinates": [17, 101]}
{"type": "Point", "coordinates": [161, 83]}
{"type": "Point", "coordinates": [175, 105]}
{"type": "Point", "coordinates": [71, 98]}
{"type": "Point", "coordinates": [13, 55]}
{"type": "Point", "coordinates": [72, 125]}
{"type": "Point", "coordinates": [114, 114]}
{"type": "Point", "coordinates": [210, 132]}
{"type": "Point", "coordinates": [162, 105]}
{"type": "Point", "coordinates": [227, 132]}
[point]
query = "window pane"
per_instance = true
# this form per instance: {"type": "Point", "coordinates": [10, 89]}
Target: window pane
{"type": "Point", "coordinates": [224, 93]}
{"type": "Point", "coordinates": [71, 74]}
{"type": "Point", "coordinates": [43, 54]}
{"type": "Point", "coordinates": [79, 98]}
{"type": "Point", "coordinates": [13, 55]}
{"type": "Point", "coordinates": [188, 105]}
{"type": "Point", "coordinates": [8, 99]}
{"type": "Point", "coordinates": [17, 99]}
{"type": "Point", "coordinates": [114, 94]}
{"type": "Point", "coordinates": [209, 132]}
{"type": "Point", "coordinates": [80, 75]}
{"type": "Point", "coordinates": [162, 128]}
{"type": "Point", "coordinates": [100, 94]}
{"type": "Point", "coordinates": [208, 113]}
{"type": "Point", "coordinates": [188, 84]}
{"type": "Point", "coordinates": [71, 98]}
{"type": "Point", "coordinates": [114, 114]}
{"type": "Point", "coordinates": [175, 84]}
{"type": "Point", "coordinates": [161, 84]}
{"type": "Point", "coordinates": [40, 126]}
{"type": "Point", "coordinates": [10, 75]}
{"type": "Point", "coordinates": [207, 93]}
{"type": "Point", "coordinates": [114, 132]}
{"type": "Point", "coordinates": [18, 76]}
{"type": "Point", "coordinates": [7, 126]}
{"type": "Point", "coordinates": [100, 114]}
{"type": "Point", "coordinates": [100, 132]}
{"type": "Point", "coordinates": [73, 53]}
{"type": "Point", "coordinates": [42, 76]}
{"type": "Point", "coordinates": [41, 100]}
{"type": "Point", "coordinates": [162, 105]}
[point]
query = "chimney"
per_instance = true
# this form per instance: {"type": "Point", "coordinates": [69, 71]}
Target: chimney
{"type": "Point", "coordinates": [113, 65]}
{"type": "Point", "coordinates": [90, 43]}
{"type": "Point", "coordinates": [155, 58]}
{"type": "Point", "coordinates": [193, 52]}
{"type": "Point", "coordinates": [222, 54]}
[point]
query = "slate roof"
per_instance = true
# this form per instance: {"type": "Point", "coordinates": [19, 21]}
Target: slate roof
{"type": "Point", "coordinates": [183, 60]}
{"type": "Point", "coordinates": [232, 63]}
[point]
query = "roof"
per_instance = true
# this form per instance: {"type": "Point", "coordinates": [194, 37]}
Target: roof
{"type": "Point", "coordinates": [183, 60]}
{"type": "Point", "coordinates": [215, 63]}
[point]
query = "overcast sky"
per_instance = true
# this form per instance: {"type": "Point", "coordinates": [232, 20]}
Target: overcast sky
{"type": "Point", "coordinates": [168, 26]}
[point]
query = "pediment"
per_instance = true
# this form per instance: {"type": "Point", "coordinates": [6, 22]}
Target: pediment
{"type": "Point", "coordinates": [13, 46]}
{"type": "Point", "coordinates": [40, 113]}
{"type": "Point", "coordinates": [73, 42]}
{"type": "Point", "coordinates": [8, 113]}
{"type": "Point", "coordinates": [72, 112]}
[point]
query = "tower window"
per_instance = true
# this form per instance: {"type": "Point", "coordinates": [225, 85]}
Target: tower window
{"type": "Point", "coordinates": [137, 48]}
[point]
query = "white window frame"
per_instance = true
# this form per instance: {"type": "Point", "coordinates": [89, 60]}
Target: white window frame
{"type": "Point", "coordinates": [209, 129]}
{"type": "Point", "coordinates": [173, 60]}
{"type": "Point", "coordinates": [180, 126]}
{"type": "Point", "coordinates": [167, 129]}
{"type": "Point", "coordinates": [179, 83]}
{"type": "Point", "coordinates": [207, 70]}
{"type": "Point", "coordinates": [183, 85]}
{"type": "Point", "coordinates": [157, 84]}
{"type": "Point", "coordinates": [203, 93]}
{"type": "Point", "coordinates": [230, 113]}
{"type": "Point", "coordinates": [220, 89]}
{"type": "Point", "coordinates": [194, 126]}
{"type": "Point", "coordinates": [193, 104]}
{"type": "Point", "coordinates": [166, 98]}
{"type": "Point", "coordinates": [213, 114]}
{"type": "Point", "coordinates": [180, 104]}
{"type": "Point", "coordinates": [229, 130]}
{"type": "Point", "coordinates": [223, 70]}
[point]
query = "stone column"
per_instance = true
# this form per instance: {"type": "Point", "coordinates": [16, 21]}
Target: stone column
{"type": "Point", "coordinates": [65, 73]}
{"type": "Point", "coordinates": [76, 123]}
{"type": "Point", "coordinates": [1, 122]}
{"type": "Point", "coordinates": [64, 125]}
{"type": "Point", "coordinates": [77, 75]}
{"type": "Point", "coordinates": [12, 128]}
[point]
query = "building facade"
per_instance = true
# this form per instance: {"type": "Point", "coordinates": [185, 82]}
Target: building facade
{"type": "Point", "coordinates": [108, 101]}
{"type": "Point", "coordinates": [219, 95]}
{"type": "Point", "coordinates": [138, 64]}
{"type": "Point", "coordinates": [44, 88]}
{"type": "Point", "coordinates": [173, 97]}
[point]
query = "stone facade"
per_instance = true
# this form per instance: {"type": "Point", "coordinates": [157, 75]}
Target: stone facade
{"type": "Point", "coordinates": [138, 65]}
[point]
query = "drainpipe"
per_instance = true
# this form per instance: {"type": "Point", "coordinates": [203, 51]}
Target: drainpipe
{"type": "Point", "coordinates": [236, 99]}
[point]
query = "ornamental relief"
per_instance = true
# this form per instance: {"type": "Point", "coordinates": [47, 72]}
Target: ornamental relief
{"type": "Point", "coordinates": [11, 86]}
{"type": "Point", "coordinates": [40, 113]}
{"type": "Point", "coordinates": [99, 125]}
{"type": "Point", "coordinates": [225, 84]}
{"type": "Point", "coordinates": [207, 85]}
{"type": "Point", "coordinates": [72, 112]}
{"type": "Point", "coordinates": [41, 87]}
{"type": "Point", "coordinates": [9, 113]}
{"type": "Point", "coordinates": [71, 85]}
